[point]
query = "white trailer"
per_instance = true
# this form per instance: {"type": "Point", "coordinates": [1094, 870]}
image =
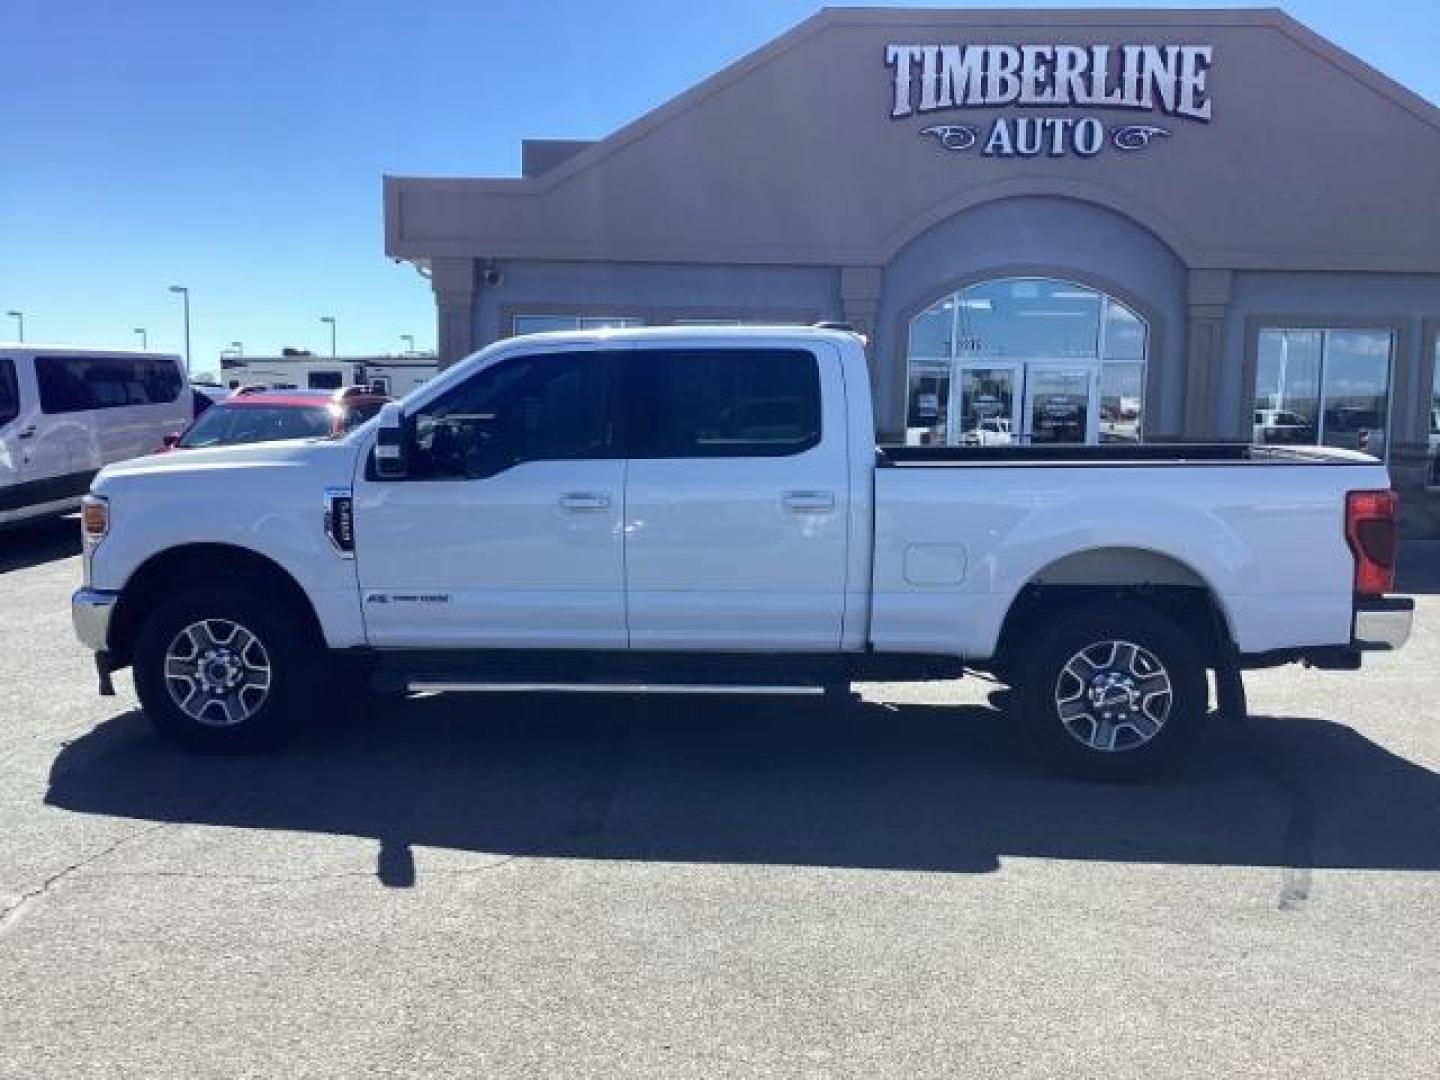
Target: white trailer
{"type": "Point", "coordinates": [393, 375]}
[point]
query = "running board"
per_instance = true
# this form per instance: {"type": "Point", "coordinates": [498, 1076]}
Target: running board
{"type": "Point", "coordinates": [626, 671]}
{"type": "Point", "coordinates": [434, 686]}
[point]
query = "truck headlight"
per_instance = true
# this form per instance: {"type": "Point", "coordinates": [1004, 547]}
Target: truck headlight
{"type": "Point", "coordinates": [94, 519]}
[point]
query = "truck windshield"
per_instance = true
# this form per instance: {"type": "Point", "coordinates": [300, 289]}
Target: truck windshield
{"type": "Point", "coordinates": [225, 425]}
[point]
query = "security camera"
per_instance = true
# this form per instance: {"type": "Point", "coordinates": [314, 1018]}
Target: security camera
{"type": "Point", "coordinates": [490, 277]}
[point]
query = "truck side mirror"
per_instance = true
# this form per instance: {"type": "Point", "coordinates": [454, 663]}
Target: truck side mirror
{"type": "Point", "coordinates": [392, 454]}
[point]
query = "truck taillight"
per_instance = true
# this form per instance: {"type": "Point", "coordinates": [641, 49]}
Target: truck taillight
{"type": "Point", "coordinates": [1370, 532]}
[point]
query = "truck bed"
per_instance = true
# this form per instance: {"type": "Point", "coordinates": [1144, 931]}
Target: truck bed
{"type": "Point", "coordinates": [1213, 453]}
{"type": "Point", "coordinates": [959, 532]}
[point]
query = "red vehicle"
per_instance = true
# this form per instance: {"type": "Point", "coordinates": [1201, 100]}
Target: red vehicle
{"type": "Point", "coordinates": [260, 415]}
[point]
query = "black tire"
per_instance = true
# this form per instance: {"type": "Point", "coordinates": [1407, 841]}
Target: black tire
{"type": "Point", "coordinates": [230, 721]}
{"type": "Point", "coordinates": [1072, 719]}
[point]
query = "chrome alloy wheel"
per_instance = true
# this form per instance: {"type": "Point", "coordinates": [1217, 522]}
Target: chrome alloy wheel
{"type": "Point", "coordinates": [217, 672]}
{"type": "Point", "coordinates": [1113, 696]}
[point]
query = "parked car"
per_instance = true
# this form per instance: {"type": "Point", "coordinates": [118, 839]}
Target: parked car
{"type": "Point", "coordinates": [1371, 441]}
{"type": "Point", "coordinates": [1113, 431]}
{"type": "Point", "coordinates": [258, 415]}
{"type": "Point", "coordinates": [601, 513]}
{"type": "Point", "coordinates": [65, 412]}
{"type": "Point", "coordinates": [1282, 427]}
{"type": "Point", "coordinates": [990, 431]}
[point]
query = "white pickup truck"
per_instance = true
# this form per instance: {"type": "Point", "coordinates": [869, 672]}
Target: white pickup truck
{"type": "Point", "coordinates": [697, 510]}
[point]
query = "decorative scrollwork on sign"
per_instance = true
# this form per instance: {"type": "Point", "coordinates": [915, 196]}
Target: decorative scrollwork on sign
{"type": "Point", "coordinates": [954, 136]}
{"type": "Point", "coordinates": [1136, 136]}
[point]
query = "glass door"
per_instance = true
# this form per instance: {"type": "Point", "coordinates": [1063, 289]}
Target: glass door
{"type": "Point", "coordinates": [982, 405]}
{"type": "Point", "coordinates": [1059, 404]}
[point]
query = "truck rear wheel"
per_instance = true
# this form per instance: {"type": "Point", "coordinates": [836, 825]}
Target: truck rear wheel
{"type": "Point", "coordinates": [1111, 693]}
{"type": "Point", "coordinates": [225, 669]}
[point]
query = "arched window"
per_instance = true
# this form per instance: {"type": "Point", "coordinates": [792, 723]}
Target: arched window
{"type": "Point", "coordinates": [1025, 359]}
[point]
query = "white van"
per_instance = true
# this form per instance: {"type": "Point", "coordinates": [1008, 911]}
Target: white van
{"type": "Point", "coordinates": [66, 412]}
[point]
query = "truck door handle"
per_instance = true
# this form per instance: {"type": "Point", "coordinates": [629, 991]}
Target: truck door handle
{"type": "Point", "coordinates": [809, 502]}
{"type": "Point", "coordinates": [580, 502]}
{"type": "Point", "coordinates": [26, 432]}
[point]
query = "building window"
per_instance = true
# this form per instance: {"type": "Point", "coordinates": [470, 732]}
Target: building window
{"type": "Point", "coordinates": [1032, 360]}
{"type": "Point", "coordinates": [754, 319]}
{"type": "Point", "coordinates": [1434, 416]}
{"type": "Point", "coordinates": [538, 324]}
{"type": "Point", "coordinates": [1322, 387]}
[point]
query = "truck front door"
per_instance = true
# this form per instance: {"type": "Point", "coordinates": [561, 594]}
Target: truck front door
{"type": "Point", "coordinates": [507, 530]}
{"type": "Point", "coordinates": [737, 498]}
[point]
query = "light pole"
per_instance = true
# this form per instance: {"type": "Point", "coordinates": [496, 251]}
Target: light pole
{"type": "Point", "coordinates": [409, 340]}
{"type": "Point", "coordinates": [331, 320]}
{"type": "Point", "coordinates": [19, 317]}
{"type": "Point", "coordinates": [184, 292]}
{"type": "Point", "coordinates": [239, 348]}
{"type": "Point", "coordinates": [144, 338]}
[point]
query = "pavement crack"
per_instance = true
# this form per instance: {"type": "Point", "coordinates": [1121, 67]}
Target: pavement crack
{"type": "Point", "coordinates": [13, 912]}
{"type": "Point", "coordinates": [299, 879]}
{"type": "Point", "coordinates": [1297, 840]}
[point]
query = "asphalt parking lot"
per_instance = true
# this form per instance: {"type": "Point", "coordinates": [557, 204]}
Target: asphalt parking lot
{"type": "Point", "coordinates": [543, 887]}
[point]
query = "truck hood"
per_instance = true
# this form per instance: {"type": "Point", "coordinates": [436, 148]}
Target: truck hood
{"type": "Point", "coordinates": [332, 462]}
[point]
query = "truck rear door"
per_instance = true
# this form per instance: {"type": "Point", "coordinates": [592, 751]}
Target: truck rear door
{"type": "Point", "coordinates": [737, 498]}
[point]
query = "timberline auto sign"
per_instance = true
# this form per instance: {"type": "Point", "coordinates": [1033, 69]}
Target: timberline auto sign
{"type": "Point", "coordinates": [1168, 79]}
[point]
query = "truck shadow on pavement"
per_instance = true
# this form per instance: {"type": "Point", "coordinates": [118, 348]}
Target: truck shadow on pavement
{"type": "Point", "coordinates": [33, 544]}
{"type": "Point", "coordinates": [1418, 567]}
{"type": "Point", "coordinates": [912, 787]}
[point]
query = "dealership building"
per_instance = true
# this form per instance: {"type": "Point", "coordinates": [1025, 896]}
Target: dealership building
{"type": "Point", "coordinates": [1052, 226]}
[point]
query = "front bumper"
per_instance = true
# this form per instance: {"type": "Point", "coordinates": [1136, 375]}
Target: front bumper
{"type": "Point", "coordinates": [90, 611]}
{"type": "Point", "coordinates": [1382, 622]}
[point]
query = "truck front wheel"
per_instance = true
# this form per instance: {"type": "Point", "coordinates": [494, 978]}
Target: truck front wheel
{"type": "Point", "coordinates": [1111, 693]}
{"type": "Point", "coordinates": [224, 668]}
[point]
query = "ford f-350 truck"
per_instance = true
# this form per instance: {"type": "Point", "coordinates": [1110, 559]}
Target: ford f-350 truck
{"type": "Point", "coordinates": [704, 510]}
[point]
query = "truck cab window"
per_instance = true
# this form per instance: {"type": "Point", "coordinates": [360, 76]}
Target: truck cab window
{"type": "Point", "coordinates": [546, 407]}
{"type": "Point", "coordinates": [725, 403]}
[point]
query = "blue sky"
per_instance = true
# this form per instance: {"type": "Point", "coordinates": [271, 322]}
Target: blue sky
{"type": "Point", "coordinates": [238, 148]}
